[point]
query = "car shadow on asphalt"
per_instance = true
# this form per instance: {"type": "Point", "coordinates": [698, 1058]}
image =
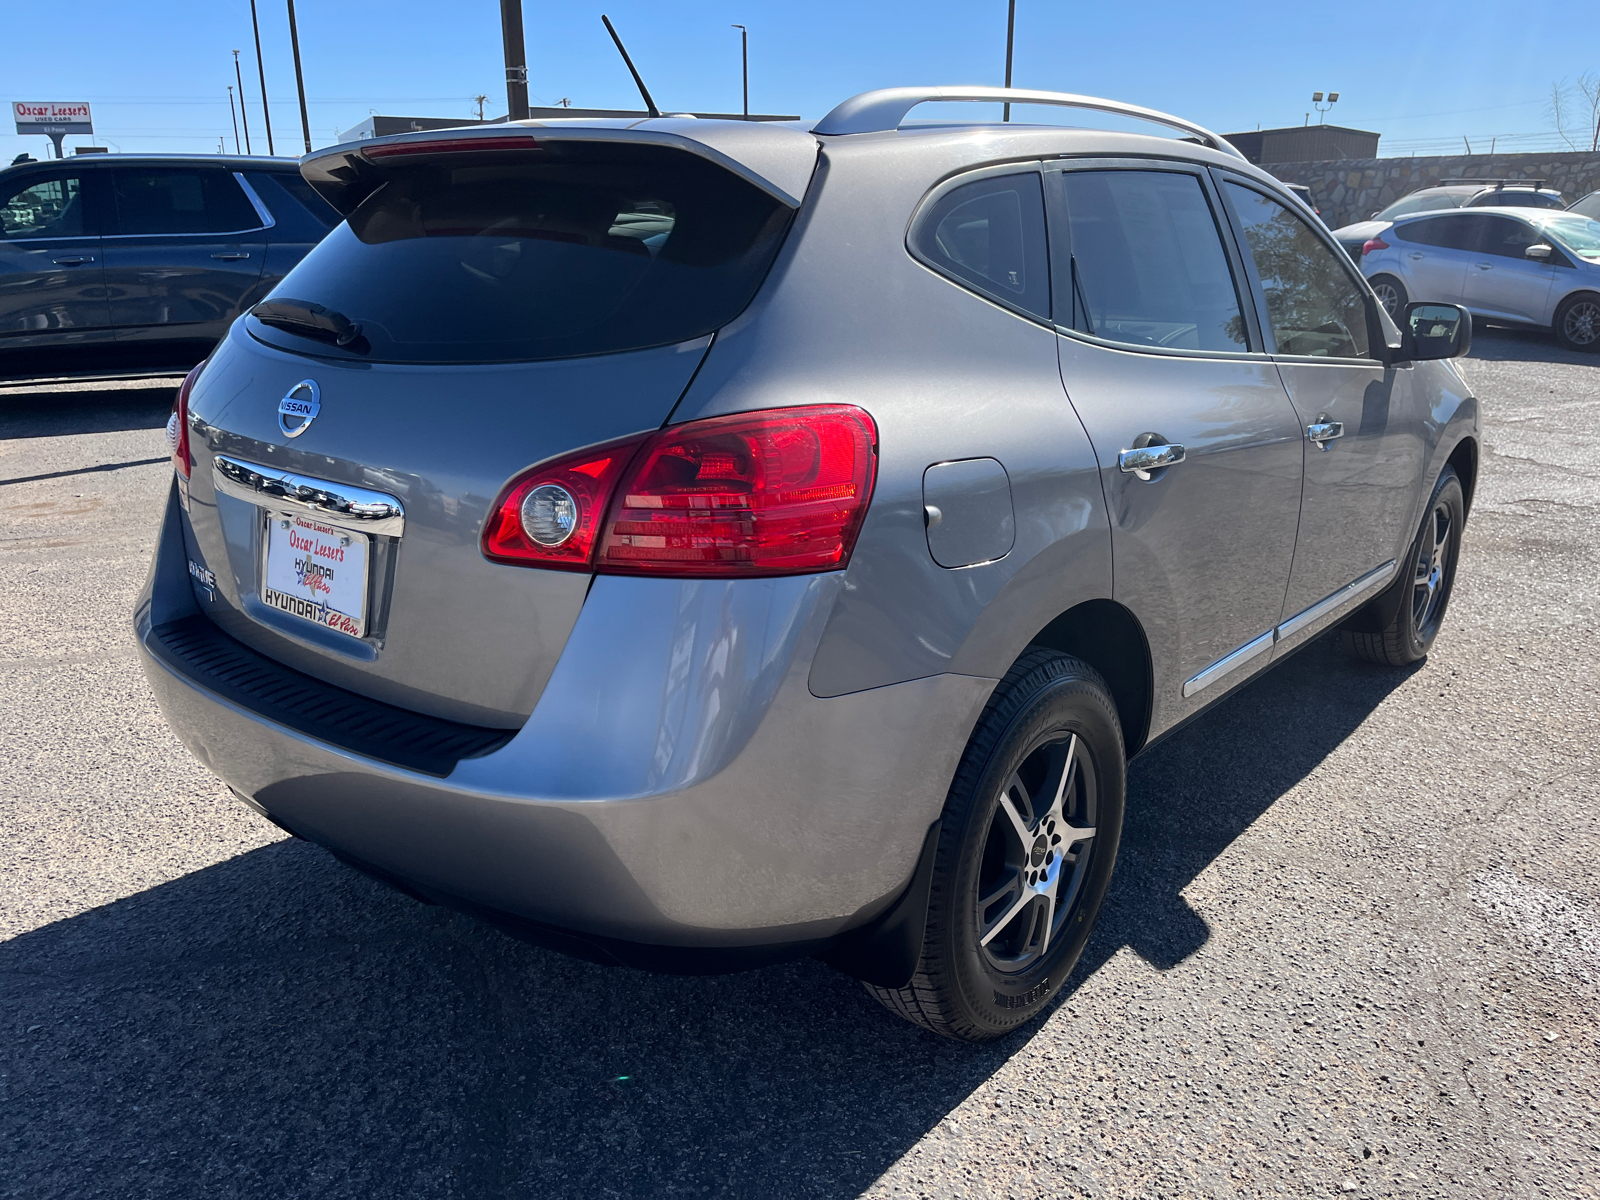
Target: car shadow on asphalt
{"type": "Point", "coordinates": [58, 412]}
{"type": "Point", "coordinates": [277, 1025]}
{"type": "Point", "coordinates": [1506, 343]}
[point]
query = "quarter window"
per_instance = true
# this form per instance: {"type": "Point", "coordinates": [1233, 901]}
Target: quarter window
{"type": "Point", "coordinates": [1147, 265]}
{"type": "Point", "coordinates": [166, 200]}
{"type": "Point", "coordinates": [1313, 305]}
{"type": "Point", "coordinates": [990, 236]}
{"type": "Point", "coordinates": [46, 208]}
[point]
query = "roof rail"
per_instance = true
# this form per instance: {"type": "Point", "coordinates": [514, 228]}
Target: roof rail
{"type": "Point", "coordinates": [1536, 184]}
{"type": "Point", "coordinates": [882, 111]}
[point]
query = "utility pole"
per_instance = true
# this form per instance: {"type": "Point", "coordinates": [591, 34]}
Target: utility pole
{"type": "Point", "coordinates": [299, 79]}
{"type": "Point", "coordinates": [261, 71]}
{"type": "Point", "coordinates": [744, 59]}
{"type": "Point", "coordinates": [243, 111]}
{"type": "Point", "coordinates": [516, 59]}
{"type": "Point", "coordinates": [478, 100]}
{"type": "Point", "coordinates": [1011, 39]}
{"type": "Point", "coordinates": [232, 112]}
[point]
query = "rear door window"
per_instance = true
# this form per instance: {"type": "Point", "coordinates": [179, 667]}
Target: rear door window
{"type": "Point", "coordinates": [1313, 305]}
{"type": "Point", "coordinates": [1147, 262]}
{"type": "Point", "coordinates": [1448, 233]}
{"type": "Point", "coordinates": [156, 200]}
{"type": "Point", "coordinates": [990, 236]}
{"type": "Point", "coordinates": [588, 250]}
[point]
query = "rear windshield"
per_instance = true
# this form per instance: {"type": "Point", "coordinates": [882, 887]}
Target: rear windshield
{"type": "Point", "coordinates": [549, 259]}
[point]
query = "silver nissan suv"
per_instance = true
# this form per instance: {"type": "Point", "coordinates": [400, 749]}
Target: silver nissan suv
{"type": "Point", "coordinates": [692, 544]}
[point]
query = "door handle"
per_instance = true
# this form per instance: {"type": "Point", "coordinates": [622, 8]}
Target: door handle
{"type": "Point", "coordinates": [73, 259]}
{"type": "Point", "coordinates": [1416, 256]}
{"type": "Point", "coordinates": [232, 255]}
{"type": "Point", "coordinates": [1144, 459]}
{"type": "Point", "coordinates": [1484, 266]}
{"type": "Point", "coordinates": [1324, 432]}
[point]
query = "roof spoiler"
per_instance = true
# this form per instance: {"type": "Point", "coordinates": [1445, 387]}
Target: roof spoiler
{"type": "Point", "coordinates": [882, 111]}
{"type": "Point", "coordinates": [777, 159]}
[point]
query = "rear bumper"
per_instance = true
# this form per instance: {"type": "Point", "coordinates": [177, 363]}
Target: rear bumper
{"type": "Point", "coordinates": [677, 785]}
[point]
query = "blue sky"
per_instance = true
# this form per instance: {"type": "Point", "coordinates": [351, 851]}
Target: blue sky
{"type": "Point", "coordinates": [157, 73]}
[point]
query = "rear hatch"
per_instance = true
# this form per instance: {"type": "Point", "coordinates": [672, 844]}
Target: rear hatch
{"type": "Point", "coordinates": [490, 302]}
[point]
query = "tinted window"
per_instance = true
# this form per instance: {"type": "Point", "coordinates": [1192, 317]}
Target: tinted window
{"type": "Point", "coordinates": [1506, 237]}
{"type": "Point", "coordinates": [990, 236]}
{"type": "Point", "coordinates": [1589, 206]}
{"type": "Point", "coordinates": [594, 251]}
{"type": "Point", "coordinates": [1147, 265]}
{"type": "Point", "coordinates": [43, 208]}
{"type": "Point", "coordinates": [1313, 305]}
{"type": "Point", "coordinates": [180, 200]}
{"type": "Point", "coordinates": [1516, 198]}
{"type": "Point", "coordinates": [302, 191]}
{"type": "Point", "coordinates": [1450, 233]}
{"type": "Point", "coordinates": [1422, 202]}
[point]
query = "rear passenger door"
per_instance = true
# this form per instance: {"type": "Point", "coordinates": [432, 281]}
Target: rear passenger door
{"type": "Point", "coordinates": [1434, 252]}
{"type": "Point", "coordinates": [185, 253]}
{"type": "Point", "coordinates": [1361, 430]}
{"type": "Point", "coordinates": [1158, 346]}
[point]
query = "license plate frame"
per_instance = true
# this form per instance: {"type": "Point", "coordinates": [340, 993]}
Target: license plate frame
{"type": "Point", "coordinates": [314, 572]}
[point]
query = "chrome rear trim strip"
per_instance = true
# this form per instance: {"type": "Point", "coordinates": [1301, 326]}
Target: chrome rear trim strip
{"type": "Point", "coordinates": [1232, 662]}
{"type": "Point", "coordinates": [337, 504]}
{"type": "Point", "coordinates": [1337, 603]}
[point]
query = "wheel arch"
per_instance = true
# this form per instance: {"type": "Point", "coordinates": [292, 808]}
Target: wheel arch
{"type": "Point", "coordinates": [1464, 458]}
{"type": "Point", "coordinates": [1108, 637]}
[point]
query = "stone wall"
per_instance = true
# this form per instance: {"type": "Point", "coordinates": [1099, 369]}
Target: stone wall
{"type": "Point", "coordinates": [1350, 190]}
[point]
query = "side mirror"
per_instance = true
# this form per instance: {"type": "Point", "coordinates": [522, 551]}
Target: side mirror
{"type": "Point", "coordinates": [1431, 331]}
{"type": "Point", "coordinates": [1540, 251]}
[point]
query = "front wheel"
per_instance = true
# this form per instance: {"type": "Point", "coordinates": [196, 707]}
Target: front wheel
{"type": "Point", "coordinates": [1432, 567]}
{"type": "Point", "coordinates": [1025, 853]}
{"type": "Point", "coordinates": [1577, 323]}
{"type": "Point", "coordinates": [1391, 293]}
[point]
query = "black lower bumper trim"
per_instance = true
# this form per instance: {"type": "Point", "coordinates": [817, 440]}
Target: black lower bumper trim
{"type": "Point", "coordinates": [200, 652]}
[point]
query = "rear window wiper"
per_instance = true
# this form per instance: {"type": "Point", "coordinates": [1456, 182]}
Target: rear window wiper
{"type": "Point", "coordinates": [311, 320]}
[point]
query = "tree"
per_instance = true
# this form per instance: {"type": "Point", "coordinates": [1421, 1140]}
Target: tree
{"type": "Point", "coordinates": [1576, 110]}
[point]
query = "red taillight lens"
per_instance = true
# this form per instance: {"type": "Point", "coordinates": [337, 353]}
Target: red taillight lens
{"type": "Point", "coordinates": [779, 492]}
{"type": "Point", "coordinates": [178, 424]}
{"type": "Point", "coordinates": [1372, 244]}
{"type": "Point", "coordinates": [769, 493]}
{"type": "Point", "coordinates": [550, 516]}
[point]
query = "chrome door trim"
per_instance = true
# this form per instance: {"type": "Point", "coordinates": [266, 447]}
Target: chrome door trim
{"type": "Point", "coordinates": [262, 211]}
{"type": "Point", "coordinates": [1339, 602]}
{"type": "Point", "coordinates": [1230, 662]}
{"type": "Point", "coordinates": [338, 504]}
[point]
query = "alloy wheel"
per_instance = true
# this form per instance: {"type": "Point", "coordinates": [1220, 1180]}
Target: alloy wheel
{"type": "Point", "coordinates": [1581, 325]}
{"type": "Point", "coordinates": [1387, 296]}
{"type": "Point", "coordinates": [1428, 581]}
{"type": "Point", "coordinates": [1037, 854]}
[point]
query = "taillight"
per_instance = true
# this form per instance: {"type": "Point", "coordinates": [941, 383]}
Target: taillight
{"type": "Point", "coordinates": [1372, 244]}
{"type": "Point", "coordinates": [178, 424]}
{"type": "Point", "coordinates": [778, 492]}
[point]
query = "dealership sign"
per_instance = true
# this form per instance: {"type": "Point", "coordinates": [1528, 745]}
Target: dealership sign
{"type": "Point", "coordinates": [52, 119]}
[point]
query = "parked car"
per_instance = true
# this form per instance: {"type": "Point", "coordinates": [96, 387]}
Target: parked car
{"type": "Point", "coordinates": [614, 532]}
{"type": "Point", "coordinates": [121, 261]}
{"type": "Point", "coordinates": [1502, 193]}
{"type": "Point", "coordinates": [1508, 265]}
{"type": "Point", "coordinates": [1304, 193]}
{"type": "Point", "coordinates": [1588, 206]}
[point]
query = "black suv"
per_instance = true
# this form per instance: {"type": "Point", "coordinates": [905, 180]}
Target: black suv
{"type": "Point", "coordinates": [131, 262]}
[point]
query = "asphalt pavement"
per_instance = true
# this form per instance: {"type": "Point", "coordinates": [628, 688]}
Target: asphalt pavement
{"type": "Point", "coordinates": [1352, 948]}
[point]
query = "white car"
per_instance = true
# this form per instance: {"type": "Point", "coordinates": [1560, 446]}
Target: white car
{"type": "Point", "coordinates": [1508, 265]}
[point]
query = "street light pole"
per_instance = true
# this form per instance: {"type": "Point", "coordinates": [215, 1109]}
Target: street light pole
{"type": "Point", "coordinates": [744, 60]}
{"type": "Point", "coordinates": [261, 71]}
{"type": "Point", "coordinates": [1011, 32]}
{"type": "Point", "coordinates": [243, 111]}
{"type": "Point", "coordinates": [516, 59]}
{"type": "Point", "coordinates": [299, 79]}
{"type": "Point", "coordinates": [234, 114]}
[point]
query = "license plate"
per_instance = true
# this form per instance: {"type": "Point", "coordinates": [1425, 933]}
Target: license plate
{"type": "Point", "coordinates": [318, 573]}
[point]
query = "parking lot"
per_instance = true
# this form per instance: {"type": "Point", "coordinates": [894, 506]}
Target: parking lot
{"type": "Point", "coordinates": [1353, 946]}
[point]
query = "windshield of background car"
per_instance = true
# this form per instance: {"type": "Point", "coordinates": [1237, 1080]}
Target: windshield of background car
{"type": "Point", "coordinates": [517, 261]}
{"type": "Point", "coordinates": [1420, 202]}
{"type": "Point", "coordinates": [1581, 235]}
{"type": "Point", "coordinates": [1589, 206]}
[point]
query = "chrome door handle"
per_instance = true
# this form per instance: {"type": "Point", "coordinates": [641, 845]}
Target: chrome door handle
{"type": "Point", "coordinates": [1145, 459]}
{"type": "Point", "coordinates": [74, 259]}
{"type": "Point", "coordinates": [1324, 432]}
{"type": "Point", "coordinates": [231, 257]}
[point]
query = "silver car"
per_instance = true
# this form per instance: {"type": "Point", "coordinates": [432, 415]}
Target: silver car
{"type": "Point", "coordinates": [1514, 266]}
{"type": "Point", "coordinates": [693, 544]}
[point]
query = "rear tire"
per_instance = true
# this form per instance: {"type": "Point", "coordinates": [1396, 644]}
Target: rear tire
{"type": "Point", "coordinates": [1026, 849]}
{"type": "Point", "coordinates": [1391, 293]}
{"type": "Point", "coordinates": [1577, 323]}
{"type": "Point", "coordinates": [1431, 569]}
